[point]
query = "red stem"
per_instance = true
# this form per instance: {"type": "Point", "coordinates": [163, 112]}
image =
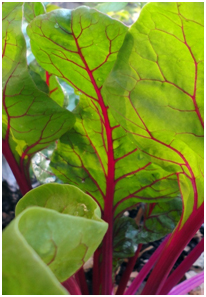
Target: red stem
{"type": "Point", "coordinates": [188, 285]}
{"type": "Point", "coordinates": [71, 285]}
{"type": "Point", "coordinates": [179, 272]}
{"type": "Point", "coordinates": [178, 241]}
{"type": "Point", "coordinates": [47, 78]}
{"type": "Point", "coordinates": [146, 269]}
{"type": "Point", "coordinates": [82, 281]}
{"type": "Point", "coordinates": [96, 274]}
{"type": "Point", "coordinates": [107, 248]}
{"type": "Point", "coordinates": [125, 278]}
{"type": "Point", "coordinates": [21, 178]}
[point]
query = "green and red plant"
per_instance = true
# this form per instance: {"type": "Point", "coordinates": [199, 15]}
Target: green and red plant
{"type": "Point", "coordinates": [137, 138]}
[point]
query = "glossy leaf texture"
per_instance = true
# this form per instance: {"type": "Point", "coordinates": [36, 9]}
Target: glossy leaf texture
{"type": "Point", "coordinates": [97, 156]}
{"type": "Point", "coordinates": [31, 120]}
{"type": "Point", "coordinates": [155, 91]}
{"type": "Point", "coordinates": [152, 222]}
{"type": "Point", "coordinates": [125, 238]}
{"type": "Point", "coordinates": [56, 230]}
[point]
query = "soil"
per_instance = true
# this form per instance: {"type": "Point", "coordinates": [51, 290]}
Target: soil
{"type": "Point", "coordinates": [10, 197]}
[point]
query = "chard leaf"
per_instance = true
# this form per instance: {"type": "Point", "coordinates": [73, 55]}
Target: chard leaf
{"type": "Point", "coordinates": [156, 221]}
{"type": "Point", "coordinates": [39, 82]}
{"type": "Point", "coordinates": [41, 247]}
{"type": "Point", "coordinates": [155, 91]}
{"type": "Point", "coordinates": [125, 238]}
{"type": "Point", "coordinates": [159, 220]}
{"type": "Point", "coordinates": [54, 89]}
{"type": "Point", "coordinates": [82, 158]}
{"type": "Point", "coordinates": [31, 120]}
{"type": "Point", "coordinates": [33, 9]}
{"type": "Point", "coordinates": [97, 155]}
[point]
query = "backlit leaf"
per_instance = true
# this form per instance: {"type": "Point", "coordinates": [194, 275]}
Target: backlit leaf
{"type": "Point", "coordinates": [97, 155]}
{"type": "Point", "coordinates": [155, 92]}
{"type": "Point", "coordinates": [31, 120]}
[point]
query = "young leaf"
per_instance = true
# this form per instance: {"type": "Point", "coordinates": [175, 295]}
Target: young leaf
{"type": "Point", "coordinates": [158, 83]}
{"type": "Point", "coordinates": [31, 120]}
{"type": "Point", "coordinates": [23, 271]}
{"type": "Point", "coordinates": [45, 237]}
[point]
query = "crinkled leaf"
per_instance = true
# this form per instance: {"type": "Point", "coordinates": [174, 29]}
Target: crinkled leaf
{"type": "Point", "coordinates": [97, 155]}
{"type": "Point", "coordinates": [125, 238]}
{"type": "Point", "coordinates": [46, 246]}
{"type": "Point", "coordinates": [155, 91]}
{"type": "Point", "coordinates": [31, 120]}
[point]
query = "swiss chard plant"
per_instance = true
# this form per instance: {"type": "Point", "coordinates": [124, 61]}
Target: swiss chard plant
{"type": "Point", "coordinates": [135, 138]}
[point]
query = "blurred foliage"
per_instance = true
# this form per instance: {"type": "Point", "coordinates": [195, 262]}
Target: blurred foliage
{"type": "Point", "coordinates": [126, 12]}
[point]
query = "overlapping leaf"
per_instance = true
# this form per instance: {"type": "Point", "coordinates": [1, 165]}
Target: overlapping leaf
{"type": "Point", "coordinates": [155, 91]}
{"type": "Point", "coordinates": [49, 82]}
{"type": "Point", "coordinates": [153, 222]}
{"type": "Point", "coordinates": [41, 247]}
{"type": "Point", "coordinates": [31, 120]}
{"type": "Point", "coordinates": [97, 156]}
{"type": "Point", "coordinates": [33, 9]}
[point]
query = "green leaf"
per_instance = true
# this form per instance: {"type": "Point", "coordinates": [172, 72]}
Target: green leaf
{"type": "Point", "coordinates": [81, 159]}
{"type": "Point", "coordinates": [33, 9]}
{"type": "Point", "coordinates": [39, 82]}
{"type": "Point", "coordinates": [155, 91]}
{"type": "Point", "coordinates": [159, 220]}
{"type": "Point", "coordinates": [63, 41]}
{"type": "Point", "coordinates": [156, 221]}
{"type": "Point", "coordinates": [55, 90]}
{"type": "Point", "coordinates": [31, 120]}
{"type": "Point", "coordinates": [50, 7]}
{"type": "Point", "coordinates": [97, 156]}
{"type": "Point", "coordinates": [111, 6]}
{"type": "Point", "coordinates": [125, 238]}
{"type": "Point", "coordinates": [42, 246]}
